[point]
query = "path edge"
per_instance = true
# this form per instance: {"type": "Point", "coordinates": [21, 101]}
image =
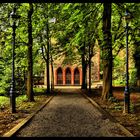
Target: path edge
{"type": "Point", "coordinates": [16, 128]}
{"type": "Point", "coordinates": [129, 134]}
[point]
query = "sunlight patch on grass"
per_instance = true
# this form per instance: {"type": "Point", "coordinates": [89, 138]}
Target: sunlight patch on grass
{"type": "Point", "coordinates": [39, 90]}
{"type": "Point", "coordinates": [4, 101]}
{"type": "Point", "coordinates": [22, 101]}
{"type": "Point", "coordinates": [21, 98]}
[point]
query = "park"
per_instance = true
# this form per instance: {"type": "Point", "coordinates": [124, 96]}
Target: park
{"type": "Point", "coordinates": [69, 70]}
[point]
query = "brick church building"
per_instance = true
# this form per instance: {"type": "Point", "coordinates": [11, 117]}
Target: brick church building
{"type": "Point", "coordinates": [71, 74]}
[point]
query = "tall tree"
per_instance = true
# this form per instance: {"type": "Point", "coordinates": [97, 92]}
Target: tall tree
{"type": "Point", "coordinates": [79, 32]}
{"type": "Point", "coordinates": [107, 52]}
{"type": "Point", "coordinates": [46, 36]}
{"type": "Point", "coordinates": [84, 67]}
{"type": "Point", "coordinates": [134, 31]}
{"type": "Point", "coordinates": [48, 52]}
{"type": "Point", "coordinates": [30, 61]}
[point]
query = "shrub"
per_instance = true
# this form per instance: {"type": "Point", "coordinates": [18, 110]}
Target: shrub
{"type": "Point", "coordinates": [133, 78]}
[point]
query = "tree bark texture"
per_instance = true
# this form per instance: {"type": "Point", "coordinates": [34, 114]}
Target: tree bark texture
{"type": "Point", "coordinates": [52, 69]}
{"type": "Point", "coordinates": [48, 54]}
{"type": "Point", "coordinates": [84, 68]}
{"type": "Point", "coordinates": [30, 61]}
{"type": "Point", "coordinates": [52, 76]}
{"type": "Point", "coordinates": [90, 68]}
{"type": "Point", "coordinates": [107, 52]}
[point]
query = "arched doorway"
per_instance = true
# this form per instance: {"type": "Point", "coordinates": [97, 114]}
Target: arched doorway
{"type": "Point", "coordinates": [68, 76]}
{"type": "Point", "coordinates": [59, 76]}
{"type": "Point", "coordinates": [76, 77]}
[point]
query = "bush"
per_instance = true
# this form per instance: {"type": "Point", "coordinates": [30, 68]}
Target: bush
{"type": "Point", "coordinates": [39, 90]}
{"type": "Point", "coordinates": [118, 107]}
{"type": "Point", "coordinates": [21, 98]}
{"type": "Point", "coordinates": [112, 99]}
{"type": "Point", "coordinates": [5, 82]}
{"type": "Point", "coordinates": [4, 102]}
{"type": "Point", "coordinates": [4, 86]}
{"type": "Point", "coordinates": [132, 107]}
{"type": "Point", "coordinates": [133, 78]}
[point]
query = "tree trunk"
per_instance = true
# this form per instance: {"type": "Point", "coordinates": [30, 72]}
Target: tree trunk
{"type": "Point", "coordinates": [107, 53]}
{"type": "Point", "coordinates": [48, 55]}
{"type": "Point", "coordinates": [52, 69]}
{"type": "Point", "coordinates": [30, 61]}
{"type": "Point", "coordinates": [89, 68]}
{"type": "Point", "coordinates": [52, 76]}
{"type": "Point", "coordinates": [137, 61]}
{"type": "Point", "coordinates": [137, 65]}
{"type": "Point", "coordinates": [84, 68]}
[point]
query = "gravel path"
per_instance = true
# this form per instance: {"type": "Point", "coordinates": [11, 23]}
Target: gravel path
{"type": "Point", "coordinates": [70, 115]}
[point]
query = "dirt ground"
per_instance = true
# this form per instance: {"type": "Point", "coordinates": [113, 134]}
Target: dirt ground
{"type": "Point", "coordinates": [9, 120]}
{"type": "Point", "coordinates": [115, 107]}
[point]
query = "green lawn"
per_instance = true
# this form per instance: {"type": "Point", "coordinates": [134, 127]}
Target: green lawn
{"type": "Point", "coordinates": [5, 101]}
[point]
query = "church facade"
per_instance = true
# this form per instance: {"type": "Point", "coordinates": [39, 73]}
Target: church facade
{"type": "Point", "coordinates": [71, 74]}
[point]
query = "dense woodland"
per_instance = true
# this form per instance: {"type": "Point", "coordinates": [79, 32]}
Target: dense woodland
{"type": "Point", "coordinates": [77, 26]}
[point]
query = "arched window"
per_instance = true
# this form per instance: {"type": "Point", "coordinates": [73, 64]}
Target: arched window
{"type": "Point", "coordinates": [76, 77]}
{"type": "Point", "coordinates": [59, 76]}
{"type": "Point", "coordinates": [68, 76]}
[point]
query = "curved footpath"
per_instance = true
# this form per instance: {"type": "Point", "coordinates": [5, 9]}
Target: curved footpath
{"type": "Point", "coordinates": [71, 115]}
